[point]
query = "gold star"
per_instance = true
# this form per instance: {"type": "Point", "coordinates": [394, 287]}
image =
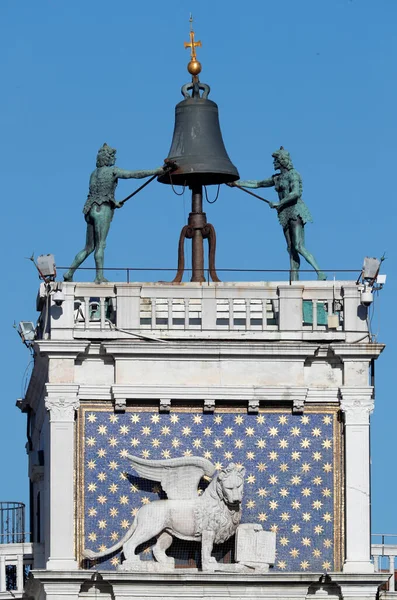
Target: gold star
{"type": "Point", "coordinates": [273, 431]}
{"type": "Point", "coordinates": [218, 466]}
{"type": "Point", "coordinates": [249, 431]}
{"type": "Point", "coordinates": [197, 419]}
{"type": "Point", "coordinates": [283, 444]}
{"type": "Point", "coordinates": [113, 488]}
{"type": "Point", "coordinates": [114, 536]}
{"type": "Point", "coordinates": [113, 442]}
{"type": "Point", "coordinates": [186, 431]}
{"type": "Point", "coordinates": [90, 441]}
{"type": "Point", "coordinates": [295, 504]}
{"type": "Point", "coordinates": [113, 418]}
{"type": "Point", "coordinates": [295, 431]}
{"type": "Point", "coordinates": [156, 489]}
{"type": "Point", "coordinates": [156, 442]}
{"type": "Point", "coordinates": [238, 443]}
{"type": "Point", "coordinates": [239, 420]}
{"type": "Point", "coordinates": [174, 419]}
{"type": "Point", "coordinates": [282, 420]}
{"type": "Point", "coordinates": [282, 564]}
{"type": "Point", "coordinates": [306, 492]}
{"type": "Point", "coordinates": [327, 543]}
{"type": "Point", "coordinates": [102, 548]}
{"type": "Point", "coordinates": [327, 444]}
{"type": "Point", "coordinates": [273, 479]}
{"type": "Point", "coordinates": [187, 453]}
{"type": "Point", "coordinates": [305, 467]}
{"type": "Point", "coordinates": [262, 492]}
{"type": "Point", "coordinates": [304, 565]}
{"type": "Point", "coordinates": [306, 541]}
{"type": "Point", "coordinates": [262, 517]}
{"type": "Point", "coordinates": [208, 454]}
{"type": "Point", "coordinates": [326, 565]}
{"type": "Point", "coordinates": [306, 516]}
{"type": "Point", "coordinates": [295, 455]}
{"type": "Point", "coordinates": [317, 504]}
{"type": "Point", "coordinates": [113, 465]}
{"type": "Point", "coordinates": [250, 455]}
{"type": "Point", "coordinates": [91, 464]}
{"type": "Point", "coordinates": [125, 524]}
{"type": "Point", "coordinates": [250, 504]}
{"type": "Point", "coordinates": [91, 418]}
{"type": "Point", "coordinates": [305, 443]}
{"type": "Point", "coordinates": [207, 431]}
{"type": "Point", "coordinates": [284, 467]}
{"type": "Point", "coordinates": [102, 499]}
{"type": "Point", "coordinates": [316, 432]}
{"type": "Point", "coordinates": [295, 480]}
{"type": "Point", "coordinates": [327, 517]}
{"type": "Point", "coordinates": [260, 419]}
{"type": "Point", "coordinates": [294, 552]}
{"type": "Point", "coordinates": [123, 453]}
{"type": "Point", "coordinates": [134, 511]}
{"type": "Point", "coordinates": [273, 455]}
{"type": "Point", "coordinates": [124, 429]}
{"type": "Point", "coordinates": [316, 456]}
{"type": "Point", "coordinates": [155, 418]}
{"type": "Point", "coordinates": [327, 420]}
{"type": "Point", "coordinates": [251, 479]}
{"type": "Point", "coordinates": [91, 487]}
{"type": "Point", "coordinates": [284, 492]}
{"type": "Point", "coordinates": [114, 561]}
{"type": "Point", "coordinates": [316, 553]}
{"type": "Point", "coordinates": [261, 444]}
{"type": "Point", "coordinates": [101, 452]}
{"type": "Point", "coordinates": [318, 529]}
{"type": "Point", "coordinates": [317, 480]}
{"type": "Point", "coordinates": [326, 492]}
{"type": "Point", "coordinates": [123, 499]}
{"type": "Point", "coordinates": [218, 419]}
{"type": "Point", "coordinates": [305, 420]}
{"type": "Point", "coordinates": [102, 429]}
{"type": "Point", "coordinates": [285, 516]}
{"type": "Point", "coordinates": [102, 524]}
{"type": "Point", "coordinates": [92, 537]}
{"type": "Point", "coordinates": [134, 488]}
{"type": "Point", "coordinates": [135, 418]}
{"type": "Point", "coordinates": [135, 442]}
{"type": "Point", "coordinates": [145, 430]}
{"type": "Point", "coordinates": [261, 467]}
{"type": "Point", "coordinates": [327, 467]}
{"type": "Point", "coordinates": [274, 528]}
{"type": "Point", "coordinates": [113, 512]}
{"type": "Point", "coordinates": [92, 512]}
{"type": "Point", "coordinates": [175, 443]}
{"type": "Point", "coordinates": [166, 454]}
{"type": "Point", "coordinates": [228, 455]}
{"type": "Point", "coordinates": [145, 453]}
{"type": "Point", "coordinates": [295, 528]}
{"type": "Point", "coordinates": [284, 541]}
{"type": "Point", "coordinates": [197, 443]}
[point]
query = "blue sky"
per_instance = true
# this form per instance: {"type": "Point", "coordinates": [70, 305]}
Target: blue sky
{"type": "Point", "coordinates": [316, 76]}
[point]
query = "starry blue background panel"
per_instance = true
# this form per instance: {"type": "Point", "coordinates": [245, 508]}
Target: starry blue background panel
{"type": "Point", "coordinates": [291, 480]}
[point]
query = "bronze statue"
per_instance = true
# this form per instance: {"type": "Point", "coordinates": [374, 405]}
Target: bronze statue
{"type": "Point", "coordinates": [292, 212]}
{"type": "Point", "coordinates": [99, 207]}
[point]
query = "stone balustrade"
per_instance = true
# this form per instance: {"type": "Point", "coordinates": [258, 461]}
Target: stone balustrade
{"type": "Point", "coordinates": [384, 552]}
{"type": "Point", "coordinates": [305, 310]}
{"type": "Point", "coordinates": [13, 560]}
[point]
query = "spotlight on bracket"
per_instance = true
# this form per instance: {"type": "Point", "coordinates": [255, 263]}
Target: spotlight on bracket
{"type": "Point", "coordinates": [27, 331]}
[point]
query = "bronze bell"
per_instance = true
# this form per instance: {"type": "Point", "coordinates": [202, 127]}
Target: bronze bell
{"type": "Point", "coordinates": [197, 146]}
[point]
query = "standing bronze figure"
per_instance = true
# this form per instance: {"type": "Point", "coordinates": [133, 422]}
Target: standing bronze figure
{"type": "Point", "coordinates": [99, 208]}
{"type": "Point", "coordinates": [292, 212]}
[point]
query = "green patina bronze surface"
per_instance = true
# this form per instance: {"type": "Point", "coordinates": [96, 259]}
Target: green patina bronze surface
{"type": "Point", "coordinates": [99, 208]}
{"type": "Point", "coordinates": [292, 212]}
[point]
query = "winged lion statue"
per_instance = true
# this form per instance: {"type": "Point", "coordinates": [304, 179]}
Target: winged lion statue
{"type": "Point", "coordinates": [211, 518]}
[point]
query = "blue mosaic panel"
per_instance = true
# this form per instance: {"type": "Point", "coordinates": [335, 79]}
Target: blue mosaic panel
{"type": "Point", "coordinates": [289, 481]}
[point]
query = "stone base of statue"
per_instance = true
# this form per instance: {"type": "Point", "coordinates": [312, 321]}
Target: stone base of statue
{"type": "Point", "coordinates": [255, 548]}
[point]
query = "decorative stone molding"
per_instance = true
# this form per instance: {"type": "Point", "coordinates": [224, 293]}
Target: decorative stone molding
{"type": "Point", "coordinates": [120, 404]}
{"type": "Point", "coordinates": [298, 406]}
{"type": "Point", "coordinates": [357, 404]}
{"type": "Point", "coordinates": [165, 405]}
{"type": "Point", "coordinates": [62, 401]}
{"type": "Point", "coordinates": [209, 405]}
{"type": "Point", "coordinates": [253, 406]}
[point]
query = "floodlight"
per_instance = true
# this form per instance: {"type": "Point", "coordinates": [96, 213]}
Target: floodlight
{"type": "Point", "coordinates": [46, 266]}
{"type": "Point", "coordinates": [27, 331]}
{"type": "Point", "coordinates": [370, 268]}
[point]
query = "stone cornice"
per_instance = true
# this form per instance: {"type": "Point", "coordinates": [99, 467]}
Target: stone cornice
{"type": "Point", "coordinates": [61, 348]}
{"type": "Point", "coordinates": [357, 351]}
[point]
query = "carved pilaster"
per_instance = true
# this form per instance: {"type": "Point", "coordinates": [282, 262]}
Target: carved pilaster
{"type": "Point", "coordinates": [357, 405]}
{"type": "Point", "coordinates": [62, 408]}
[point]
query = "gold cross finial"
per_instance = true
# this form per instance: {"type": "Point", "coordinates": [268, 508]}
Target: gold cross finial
{"type": "Point", "coordinates": [194, 67]}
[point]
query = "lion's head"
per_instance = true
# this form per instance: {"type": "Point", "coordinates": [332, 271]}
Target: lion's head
{"type": "Point", "coordinates": [230, 485]}
{"type": "Point", "coordinates": [106, 156]}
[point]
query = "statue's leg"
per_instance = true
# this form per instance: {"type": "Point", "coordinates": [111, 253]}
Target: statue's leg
{"type": "Point", "coordinates": [102, 219]}
{"type": "Point", "coordinates": [298, 240]}
{"type": "Point", "coordinates": [82, 255]}
{"type": "Point", "coordinates": [208, 562]}
{"type": "Point", "coordinates": [164, 541]}
{"type": "Point", "coordinates": [293, 256]}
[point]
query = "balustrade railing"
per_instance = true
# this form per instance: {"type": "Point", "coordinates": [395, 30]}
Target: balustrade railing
{"type": "Point", "coordinates": [384, 553]}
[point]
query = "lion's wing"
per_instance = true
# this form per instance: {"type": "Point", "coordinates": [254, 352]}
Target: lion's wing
{"type": "Point", "coordinates": [179, 477]}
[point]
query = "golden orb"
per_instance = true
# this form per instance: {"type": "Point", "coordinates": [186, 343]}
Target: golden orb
{"type": "Point", "coordinates": [194, 67]}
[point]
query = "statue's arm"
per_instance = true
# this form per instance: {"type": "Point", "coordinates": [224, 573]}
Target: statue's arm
{"type": "Point", "coordinates": [252, 183]}
{"type": "Point", "coordinates": [124, 174]}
